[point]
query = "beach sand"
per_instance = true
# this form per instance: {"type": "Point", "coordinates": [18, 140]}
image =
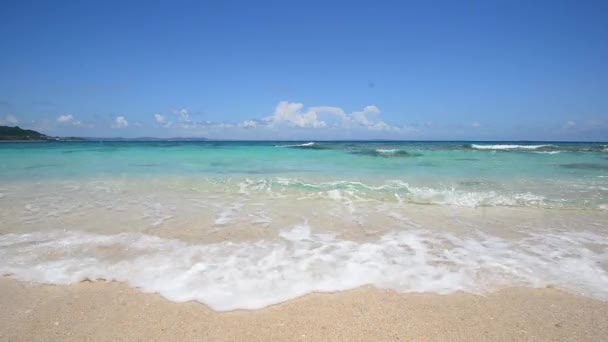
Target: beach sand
{"type": "Point", "coordinates": [115, 312]}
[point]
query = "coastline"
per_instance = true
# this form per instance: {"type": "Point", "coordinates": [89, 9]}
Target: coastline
{"type": "Point", "coordinates": [23, 141]}
{"type": "Point", "coordinates": [267, 228]}
{"type": "Point", "coordinates": [113, 311]}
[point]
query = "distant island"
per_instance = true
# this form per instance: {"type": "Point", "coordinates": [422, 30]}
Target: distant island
{"type": "Point", "coordinates": [16, 133]}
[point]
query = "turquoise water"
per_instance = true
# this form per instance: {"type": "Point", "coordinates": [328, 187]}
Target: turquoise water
{"type": "Point", "coordinates": [244, 225]}
{"type": "Point", "coordinates": [561, 174]}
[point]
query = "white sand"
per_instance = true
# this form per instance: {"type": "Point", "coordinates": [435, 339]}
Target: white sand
{"type": "Point", "coordinates": [114, 312]}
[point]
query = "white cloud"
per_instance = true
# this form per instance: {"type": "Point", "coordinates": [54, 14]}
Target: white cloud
{"type": "Point", "coordinates": [184, 118]}
{"type": "Point", "coordinates": [68, 120]}
{"type": "Point", "coordinates": [120, 122]}
{"type": "Point", "coordinates": [10, 119]}
{"type": "Point", "coordinates": [569, 124]}
{"type": "Point", "coordinates": [475, 124]}
{"type": "Point", "coordinates": [182, 115]}
{"type": "Point", "coordinates": [161, 119]}
{"type": "Point", "coordinates": [382, 126]}
{"type": "Point", "coordinates": [248, 124]}
{"type": "Point", "coordinates": [336, 111]}
{"type": "Point", "coordinates": [214, 125]}
{"type": "Point", "coordinates": [366, 117]}
{"type": "Point", "coordinates": [65, 118]}
{"type": "Point", "coordinates": [292, 115]}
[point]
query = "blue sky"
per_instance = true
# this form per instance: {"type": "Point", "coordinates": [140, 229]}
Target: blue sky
{"type": "Point", "coordinates": [479, 70]}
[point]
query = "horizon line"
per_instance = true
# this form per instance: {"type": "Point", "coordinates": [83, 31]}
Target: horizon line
{"type": "Point", "coordinates": [200, 139]}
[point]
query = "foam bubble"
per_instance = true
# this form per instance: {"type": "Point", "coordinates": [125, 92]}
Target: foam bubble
{"type": "Point", "coordinates": [252, 275]}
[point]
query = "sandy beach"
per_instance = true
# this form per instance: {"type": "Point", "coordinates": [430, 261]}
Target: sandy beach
{"type": "Point", "coordinates": [304, 171]}
{"type": "Point", "coordinates": [112, 311]}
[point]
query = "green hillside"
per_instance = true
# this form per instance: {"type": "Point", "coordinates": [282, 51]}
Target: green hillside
{"type": "Point", "coordinates": [16, 133]}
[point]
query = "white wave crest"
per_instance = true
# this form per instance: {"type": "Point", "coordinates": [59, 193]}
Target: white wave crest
{"type": "Point", "coordinates": [452, 197]}
{"type": "Point", "coordinates": [297, 145]}
{"type": "Point", "coordinates": [508, 147]}
{"type": "Point", "coordinates": [349, 191]}
{"type": "Point", "coordinates": [253, 275]}
{"type": "Point", "coordinates": [548, 152]}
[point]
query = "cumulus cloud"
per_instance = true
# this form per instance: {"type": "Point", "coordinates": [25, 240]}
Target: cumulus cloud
{"type": "Point", "coordinates": [335, 111]}
{"type": "Point", "coordinates": [383, 126]}
{"type": "Point", "coordinates": [291, 114]}
{"type": "Point", "coordinates": [120, 122]}
{"type": "Point", "coordinates": [366, 117]}
{"type": "Point", "coordinates": [68, 120]}
{"type": "Point", "coordinates": [182, 115]}
{"type": "Point", "coordinates": [213, 124]}
{"type": "Point", "coordinates": [65, 118]}
{"type": "Point", "coordinates": [475, 124]}
{"type": "Point", "coordinates": [183, 118]}
{"type": "Point", "coordinates": [569, 124]}
{"type": "Point", "coordinates": [10, 119]}
{"type": "Point", "coordinates": [184, 121]}
{"type": "Point", "coordinates": [162, 120]}
{"type": "Point", "coordinates": [248, 124]}
{"type": "Point", "coordinates": [294, 115]}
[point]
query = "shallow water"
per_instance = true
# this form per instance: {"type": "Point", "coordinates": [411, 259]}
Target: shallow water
{"type": "Point", "coordinates": [250, 224]}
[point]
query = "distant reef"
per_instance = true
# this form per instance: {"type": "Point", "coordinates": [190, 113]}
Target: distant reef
{"type": "Point", "coordinates": [16, 133]}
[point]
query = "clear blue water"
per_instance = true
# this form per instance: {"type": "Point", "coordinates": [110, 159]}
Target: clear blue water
{"type": "Point", "coordinates": [568, 174]}
{"type": "Point", "coordinates": [244, 225]}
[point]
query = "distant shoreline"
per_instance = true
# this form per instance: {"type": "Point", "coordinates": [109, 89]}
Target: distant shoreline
{"type": "Point", "coordinates": [176, 140]}
{"type": "Point", "coordinates": [39, 141]}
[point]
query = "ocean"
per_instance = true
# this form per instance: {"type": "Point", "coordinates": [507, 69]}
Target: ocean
{"type": "Point", "coordinates": [245, 225]}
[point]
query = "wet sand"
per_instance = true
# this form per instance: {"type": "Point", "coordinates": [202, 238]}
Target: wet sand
{"type": "Point", "coordinates": [113, 311]}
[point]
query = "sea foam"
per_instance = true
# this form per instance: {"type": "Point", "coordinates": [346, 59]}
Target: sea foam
{"type": "Point", "coordinates": [308, 144]}
{"type": "Point", "coordinates": [508, 147]}
{"type": "Point", "coordinates": [253, 275]}
{"type": "Point", "coordinates": [401, 191]}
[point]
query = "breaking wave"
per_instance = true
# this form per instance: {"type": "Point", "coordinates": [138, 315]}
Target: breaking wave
{"type": "Point", "coordinates": [307, 146]}
{"type": "Point", "coordinates": [508, 147]}
{"type": "Point", "coordinates": [386, 153]}
{"type": "Point", "coordinates": [252, 275]}
{"type": "Point", "coordinates": [401, 192]}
